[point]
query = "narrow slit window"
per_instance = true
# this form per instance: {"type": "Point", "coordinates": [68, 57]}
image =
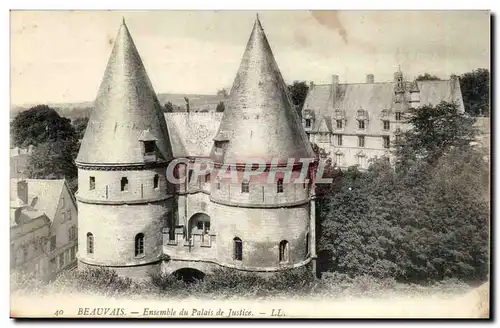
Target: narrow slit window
{"type": "Point", "coordinates": [92, 183]}
{"type": "Point", "coordinates": [279, 186]}
{"type": "Point", "coordinates": [90, 243]}
{"type": "Point", "coordinates": [124, 184]}
{"type": "Point", "coordinates": [139, 244]}
{"type": "Point", "coordinates": [238, 249]}
{"type": "Point", "coordinates": [156, 181]}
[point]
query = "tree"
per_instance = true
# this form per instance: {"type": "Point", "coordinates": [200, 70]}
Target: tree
{"type": "Point", "coordinates": [186, 99]}
{"type": "Point", "coordinates": [298, 92]}
{"type": "Point", "coordinates": [427, 77]}
{"type": "Point", "coordinates": [53, 160]}
{"type": "Point", "coordinates": [220, 107]}
{"type": "Point", "coordinates": [80, 125]}
{"type": "Point", "coordinates": [38, 125]}
{"type": "Point", "coordinates": [222, 93]}
{"type": "Point", "coordinates": [475, 87]}
{"type": "Point", "coordinates": [435, 131]}
{"type": "Point", "coordinates": [168, 108]}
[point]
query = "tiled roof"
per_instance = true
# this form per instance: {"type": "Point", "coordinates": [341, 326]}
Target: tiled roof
{"type": "Point", "coordinates": [192, 134]}
{"type": "Point", "coordinates": [125, 106]}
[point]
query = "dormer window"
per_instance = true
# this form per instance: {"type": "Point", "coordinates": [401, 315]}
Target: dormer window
{"type": "Point", "coordinates": [220, 145]}
{"type": "Point", "coordinates": [361, 124]}
{"type": "Point", "coordinates": [398, 116]}
{"type": "Point", "coordinates": [339, 124]}
{"type": "Point", "coordinates": [149, 145]}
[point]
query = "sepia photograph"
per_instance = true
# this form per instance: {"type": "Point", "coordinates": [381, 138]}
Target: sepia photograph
{"type": "Point", "coordinates": [256, 164]}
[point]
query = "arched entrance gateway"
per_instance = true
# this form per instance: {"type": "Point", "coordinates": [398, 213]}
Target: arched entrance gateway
{"type": "Point", "coordinates": [189, 275]}
{"type": "Point", "coordinates": [199, 229]}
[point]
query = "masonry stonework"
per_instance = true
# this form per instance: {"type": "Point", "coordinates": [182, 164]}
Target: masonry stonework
{"type": "Point", "coordinates": [193, 225]}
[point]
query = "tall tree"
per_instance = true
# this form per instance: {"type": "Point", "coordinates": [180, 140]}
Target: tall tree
{"type": "Point", "coordinates": [220, 107]}
{"type": "Point", "coordinates": [475, 87]}
{"type": "Point", "coordinates": [435, 131]}
{"type": "Point", "coordinates": [80, 125]}
{"type": "Point", "coordinates": [168, 108]}
{"type": "Point", "coordinates": [40, 124]}
{"type": "Point", "coordinates": [427, 77]}
{"type": "Point", "coordinates": [298, 92]}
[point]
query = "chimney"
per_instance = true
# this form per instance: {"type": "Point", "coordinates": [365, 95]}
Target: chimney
{"type": "Point", "coordinates": [335, 86]}
{"type": "Point", "coordinates": [22, 190]}
{"type": "Point", "coordinates": [370, 78]}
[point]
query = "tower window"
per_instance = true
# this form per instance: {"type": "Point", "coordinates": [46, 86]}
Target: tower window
{"type": "Point", "coordinates": [387, 125]}
{"type": "Point", "coordinates": [91, 183]}
{"type": "Point", "coordinates": [90, 243]}
{"type": "Point", "coordinates": [386, 141]}
{"type": "Point", "coordinates": [245, 186]}
{"type": "Point", "coordinates": [308, 122]}
{"type": "Point", "coordinates": [361, 124]}
{"type": "Point", "coordinates": [218, 184]}
{"type": "Point", "coordinates": [284, 251]}
{"type": "Point", "coordinates": [139, 244]}
{"type": "Point", "coordinates": [279, 186]}
{"type": "Point", "coordinates": [238, 249]}
{"type": "Point", "coordinates": [156, 180]}
{"type": "Point", "coordinates": [361, 141]}
{"type": "Point", "coordinates": [149, 147]}
{"type": "Point", "coordinates": [398, 116]}
{"type": "Point", "coordinates": [124, 184]}
{"type": "Point", "coordinates": [339, 124]}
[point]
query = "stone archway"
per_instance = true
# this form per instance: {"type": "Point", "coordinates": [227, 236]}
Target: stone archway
{"type": "Point", "coordinates": [188, 275]}
{"type": "Point", "coordinates": [199, 228]}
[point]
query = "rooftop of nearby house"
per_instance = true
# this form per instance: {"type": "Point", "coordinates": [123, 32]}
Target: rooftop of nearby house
{"type": "Point", "coordinates": [43, 195]}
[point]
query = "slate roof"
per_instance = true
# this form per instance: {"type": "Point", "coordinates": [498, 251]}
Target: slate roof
{"type": "Point", "coordinates": [125, 106]}
{"type": "Point", "coordinates": [373, 98]}
{"type": "Point", "coordinates": [259, 119]}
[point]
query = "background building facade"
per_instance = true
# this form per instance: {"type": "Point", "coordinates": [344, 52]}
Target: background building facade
{"type": "Point", "coordinates": [356, 122]}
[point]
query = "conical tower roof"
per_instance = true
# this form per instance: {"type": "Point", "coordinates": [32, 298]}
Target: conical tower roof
{"type": "Point", "coordinates": [260, 120]}
{"type": "Point", "coordinates": [126, 109]}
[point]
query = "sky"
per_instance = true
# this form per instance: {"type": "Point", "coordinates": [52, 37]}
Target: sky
{"type": "Point", "coordinates": [60, 56]}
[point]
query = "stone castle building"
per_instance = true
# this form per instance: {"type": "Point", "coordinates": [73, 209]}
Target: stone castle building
{"type": "Point", "coordinates": [356, 122]}
{"type": "Point", "coordinates": [133, 220]}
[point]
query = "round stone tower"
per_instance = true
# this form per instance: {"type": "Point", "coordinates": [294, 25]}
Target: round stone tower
{"type": "Point", "coordinates": [123, 195]}
{"type": "Point", "coordinates": [263, 217]}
